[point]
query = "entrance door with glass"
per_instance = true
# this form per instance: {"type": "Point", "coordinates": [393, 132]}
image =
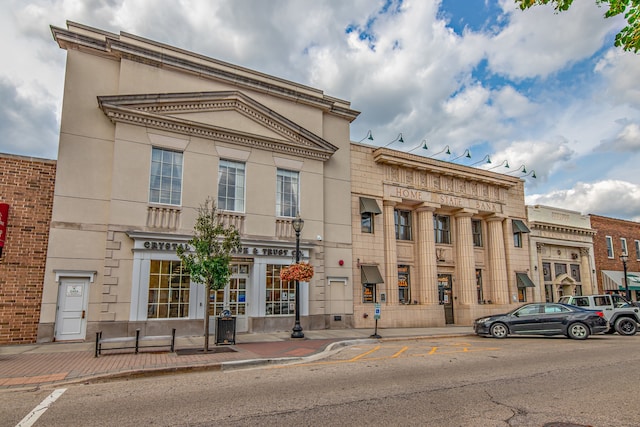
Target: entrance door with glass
{"type": "Point", "coordinates": [233, 297]}
{"type": "Point", "coordinates": [446, 297]}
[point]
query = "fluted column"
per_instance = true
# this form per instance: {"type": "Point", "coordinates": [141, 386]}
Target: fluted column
{"type": "Point", "coordinates": [465, 262]}
{"type": "Point", "coordinates": [585, 273]}
{"type": "Point", "coordinates": [390, 253]}
{"type": "Point", "coordinates": [497, 261]}
{"type": "Point", "coordinates": [427, 264]}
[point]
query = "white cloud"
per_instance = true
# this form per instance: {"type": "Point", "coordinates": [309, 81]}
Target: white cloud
{"type": "Point", "coordinates": [617, 199]}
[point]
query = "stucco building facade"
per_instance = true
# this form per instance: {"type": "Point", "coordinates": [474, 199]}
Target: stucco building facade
{"type": "Point", "coordinates": [26, 199]}
{"type": "Point", "coordinates": [562, 252]}
{"type": "Point", "coordinates": [148, 132]}
{"type": "Point", "coordinates": [434, 242]}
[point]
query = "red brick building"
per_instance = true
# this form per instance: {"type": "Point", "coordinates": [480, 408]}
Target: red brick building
{"type": "Point", "coordinates": [26, 185]}
{"type": "Point", "coordinates": [614, 238]}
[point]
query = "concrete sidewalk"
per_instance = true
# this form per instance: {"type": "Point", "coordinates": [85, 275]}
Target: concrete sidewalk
{"type": "Point", "coordinates": [35, 365]}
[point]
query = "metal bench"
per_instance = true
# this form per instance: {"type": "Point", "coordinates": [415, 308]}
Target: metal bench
{"type": "Point", "coordinates": [136, 342]}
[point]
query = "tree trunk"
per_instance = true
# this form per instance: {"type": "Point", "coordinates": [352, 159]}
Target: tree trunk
{"type": "Point", "coordinates": [206, 319]}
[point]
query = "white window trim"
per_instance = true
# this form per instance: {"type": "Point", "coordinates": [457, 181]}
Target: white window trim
{"type": "Point", "coordinates": [623, 246]}
{"type": "Point", "coordinates": [609, 241]}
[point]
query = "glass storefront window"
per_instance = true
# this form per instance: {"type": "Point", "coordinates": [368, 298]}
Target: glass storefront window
{"type": "Point", "coordinates": [168, 290]}
{"type": "Point", "coordinates": [281, 295]}
{"type": "Point", "coordinates": [404, 288]}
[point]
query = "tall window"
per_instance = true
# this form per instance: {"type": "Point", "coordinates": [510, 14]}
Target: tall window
{"type": "Point", "coordinates": [165, 185]}
{"type": "Point", "coordinates": [441, 228]}
{"type": "Point", "coordinates": [476, 230]}
{"type": "Point", "coordinates": [168, 290]}
{"type": "Point", "coordinates": [623, 246]}
{"type": "Point", "coordinates": [479, 286]}
{"type": "Point", "coordinates": [560, 269]}
{"type": "Point", "coordinates": [404, 288]}
{"type": "Point", "coordinates": [231, 186]}
{"type": "Point", "coordinates": [366, 222]}
{"type": "Point", "coordinates": [287, 191]}
{"type": "Point", "coordinates": [575, 272]}
{"type": "Point", "coordinates": [637, 242]}
{"type": "Point", "coordinates": [403, 224]}
{"type": "Point", "coordinates": [281, 295]}
{"type": "Point", "coordinates": [609, 246]}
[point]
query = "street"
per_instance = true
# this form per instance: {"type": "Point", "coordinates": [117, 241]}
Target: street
{"type": "Point", "coordinates": [469, 381]}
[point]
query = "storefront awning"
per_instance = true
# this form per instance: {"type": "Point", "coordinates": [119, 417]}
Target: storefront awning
{"type": "Point", "coordinates": [368, 205]}
{"type": "Point", "coordinates": [519, 226]}
{"type": "Point", "coordinates": [612, 280]}
{"type": "Point", "coordinates": [369, 274]}
{"type": "Point", "coordinates": [523, 281]}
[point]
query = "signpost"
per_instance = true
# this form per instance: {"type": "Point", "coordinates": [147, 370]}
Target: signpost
{"type": "Point", "coordinates": [376, 316]}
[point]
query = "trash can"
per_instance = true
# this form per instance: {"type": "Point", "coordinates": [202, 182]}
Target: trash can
{"type": "Point", "coordinates": [226, 329]}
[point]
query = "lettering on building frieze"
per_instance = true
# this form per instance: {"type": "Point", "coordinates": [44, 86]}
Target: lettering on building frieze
{"type": "Point", "coordinates": [165, 246]}
{"type": "Point", "coordinates": [485, 206]}
{"type": "Point", "coordinates": [451, 201]}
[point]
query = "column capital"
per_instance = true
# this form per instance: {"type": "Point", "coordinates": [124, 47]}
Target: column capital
{"type": "Point", "coordinates": [465, 212]}
{"type": "Point", "coordinates": [387, 202]}
{"type": "Point", "coordinates": [495, 217]}
{"type": "Point", "coordinates": [426, 207]}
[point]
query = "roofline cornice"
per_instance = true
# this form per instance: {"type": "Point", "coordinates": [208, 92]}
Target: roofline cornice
{"type": "Point", "coordinates": [165, 56]}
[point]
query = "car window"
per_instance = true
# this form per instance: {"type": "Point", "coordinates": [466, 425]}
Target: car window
{"type": "Point", "coordinates": [529, 310]}
{"type": "Point", "coordinates": [581, 301]}
{"type": "Point", "coordinates": [602, 300]}
{"type": "Point", "coordinates": [555, 309]}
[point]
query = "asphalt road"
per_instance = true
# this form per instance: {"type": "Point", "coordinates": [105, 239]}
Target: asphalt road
{"type": "Point", "coordinates": [443, 382]}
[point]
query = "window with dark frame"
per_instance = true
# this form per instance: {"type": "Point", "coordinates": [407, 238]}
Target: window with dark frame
{"type": "Point", "coordinates": [575, 272]}
{"type": "Point", "coordinates": [404, 285]}
{"type": "Point", "coordinates": [403, 224]}
{"type": "Point", "coordinates": [476, 230]}
{"type": "Point", "coordinates": [479, 286]}
{"type": "Point", "coordinates": [441, 224]}
{"type": "Point", "coordinates": [366, 222]}
{"type": "Point", "coordinates": [517, 239]}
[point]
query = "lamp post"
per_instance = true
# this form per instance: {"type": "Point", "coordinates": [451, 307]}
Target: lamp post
{"type": "Point", "coordinates": [624, 259]}
{"type": "Point", "coordinates": [298, 224]}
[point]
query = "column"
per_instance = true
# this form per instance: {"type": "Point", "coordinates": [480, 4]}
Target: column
{"type": "Point", "coordinates": [390, 253]}
{"type": "Point", "coordinates": [540, 271]}
{"type": "Point", "coordinates": [465, 261]}
{"type": "Point", "coordinates": [585, 273]}
{"type": "Point", "coordinates": [497, 262]}
{"type": "Point", "coordinates": [426, 260]}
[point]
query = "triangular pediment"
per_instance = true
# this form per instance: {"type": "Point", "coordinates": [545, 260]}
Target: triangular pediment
{"type": "Point", "coordinates": [564, 279]}
{"type": "Point", "coordinates": [230, 117]}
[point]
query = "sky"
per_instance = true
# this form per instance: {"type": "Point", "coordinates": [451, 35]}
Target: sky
{"type": "Point", "coordinates": [545, 92]}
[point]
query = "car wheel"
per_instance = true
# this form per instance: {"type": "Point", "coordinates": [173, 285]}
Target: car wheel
{"type": "Point", "coordinates": [499, 330]}
{"type": "Point", "coordinates": [578, 331]}
{"type": "Point", "coordinates": [626, 326]}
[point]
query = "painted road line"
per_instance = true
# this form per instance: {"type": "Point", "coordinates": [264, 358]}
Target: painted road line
{"type": "Point", "coordinates": [33, 416]}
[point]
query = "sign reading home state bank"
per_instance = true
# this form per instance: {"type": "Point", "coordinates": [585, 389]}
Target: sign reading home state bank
{"type": "Point", "coordinates": [441, 199]}
{"type": "Point", "coordinates": [261, 250]}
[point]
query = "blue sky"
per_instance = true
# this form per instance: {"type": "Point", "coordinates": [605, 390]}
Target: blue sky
{"type": "Point", "coordinates": [534, 88]}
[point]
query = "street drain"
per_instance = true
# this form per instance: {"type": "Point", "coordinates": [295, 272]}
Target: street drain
{"type": "Point", "coordinates": [196, 351]}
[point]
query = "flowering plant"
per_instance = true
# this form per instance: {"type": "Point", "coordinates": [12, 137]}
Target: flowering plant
{"type": "Point", "coordinates": [301, 271]}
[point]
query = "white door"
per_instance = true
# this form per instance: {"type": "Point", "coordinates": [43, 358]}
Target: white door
{"type": "Point", "coordinates": [232, 298]}
{"type": "Point", "coordinates": [71, 322]}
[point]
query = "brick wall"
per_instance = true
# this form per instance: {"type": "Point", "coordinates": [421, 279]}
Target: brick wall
{"type": "Point", "coordinates": [26, 184]}
{"type": "Point", "coordinates": [616, 229]}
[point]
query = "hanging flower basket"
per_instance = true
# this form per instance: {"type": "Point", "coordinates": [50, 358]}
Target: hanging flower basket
{"type": "Point", "coordinates": [301, 272]}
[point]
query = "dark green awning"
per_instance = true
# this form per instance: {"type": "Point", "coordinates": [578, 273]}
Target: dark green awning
{"type": "Point", "coordinates": [368, 205]}
{"type": "Point", "coordinates": [369, 274]}
{"type": "Point", "coordinates": [524, 281]}
{"type": "Point", "coordinates": [519, 226]}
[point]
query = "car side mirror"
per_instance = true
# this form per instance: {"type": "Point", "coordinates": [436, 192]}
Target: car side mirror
{"type": "Point", "coordinates": [516, 314]}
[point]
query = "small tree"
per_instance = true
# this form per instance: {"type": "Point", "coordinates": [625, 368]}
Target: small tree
{"type": "Point", "coordinates": [628, 38]}
{"type": "Point", "coordinates": [210, 261]}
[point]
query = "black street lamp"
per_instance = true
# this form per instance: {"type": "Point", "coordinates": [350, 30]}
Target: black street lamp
{"type": "Point", "coordinates": [624, 258]}
{"type": "Point", "coordinates": [298, 224]}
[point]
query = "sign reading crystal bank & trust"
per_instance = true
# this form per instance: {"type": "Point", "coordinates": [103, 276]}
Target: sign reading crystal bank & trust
{"type": "Point", "coordinates": [391, 191]}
